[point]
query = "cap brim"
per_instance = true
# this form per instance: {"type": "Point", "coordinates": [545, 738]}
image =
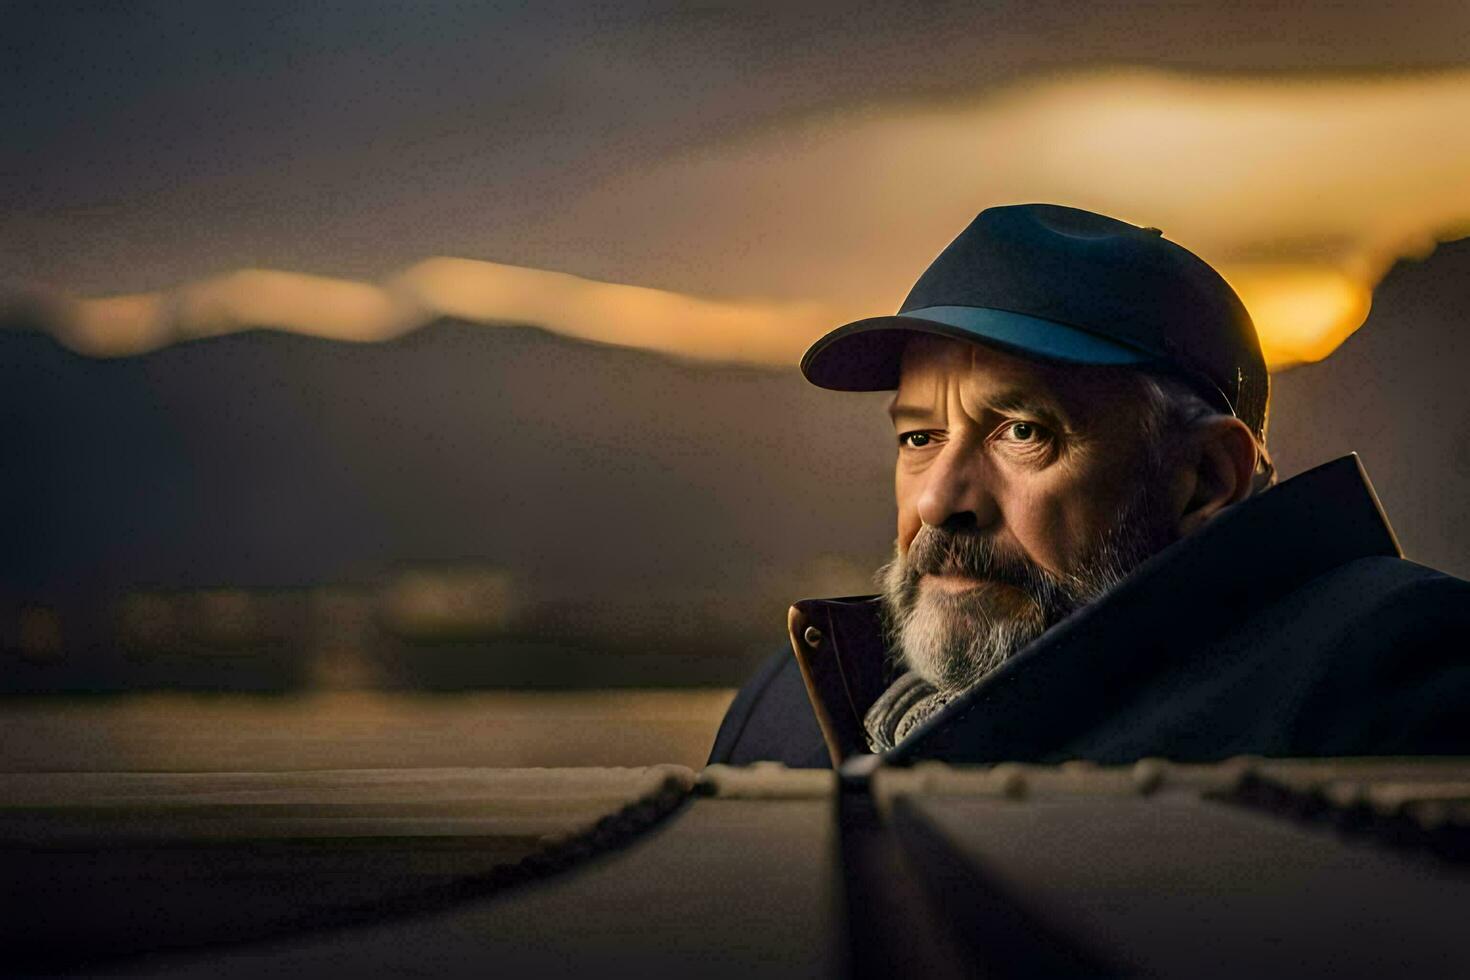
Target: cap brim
{"type": "Point", "coordinates": [864, 355]}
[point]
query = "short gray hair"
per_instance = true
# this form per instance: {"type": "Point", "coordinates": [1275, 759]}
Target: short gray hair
{"type": "Point", "coordinates": [1172, 408]}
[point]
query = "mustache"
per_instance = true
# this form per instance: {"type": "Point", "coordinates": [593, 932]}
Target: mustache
{"type": "Point", "coordinates": [973, 554]}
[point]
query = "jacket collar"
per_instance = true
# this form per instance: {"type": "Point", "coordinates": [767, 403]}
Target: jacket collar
{"type": "Point", "coordinates": [1259, 549]}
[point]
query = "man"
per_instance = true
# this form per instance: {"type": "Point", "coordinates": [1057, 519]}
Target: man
{"type": "Point", "coordinates": [1092, 558]}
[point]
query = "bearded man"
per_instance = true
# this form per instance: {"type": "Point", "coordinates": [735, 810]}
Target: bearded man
{"type": "Point", "coordinates": [1093, 560]}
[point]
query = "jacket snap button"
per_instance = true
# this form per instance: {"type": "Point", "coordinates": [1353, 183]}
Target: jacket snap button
{"type": "Point", "coordinates": [813, 636]}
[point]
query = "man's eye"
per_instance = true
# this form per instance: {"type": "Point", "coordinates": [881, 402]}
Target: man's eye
{"type": "Point", "coordinates": [1024, 431]}
{"type": "Point", "coordinates": [914, 440]}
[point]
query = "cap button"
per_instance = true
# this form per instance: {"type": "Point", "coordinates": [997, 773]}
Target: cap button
{"type": "Point", "coordinates": [813, 636]}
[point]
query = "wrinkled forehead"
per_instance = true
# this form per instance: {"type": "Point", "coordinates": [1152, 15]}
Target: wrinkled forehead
{"type": "Point", "coordinates": [933, 366]}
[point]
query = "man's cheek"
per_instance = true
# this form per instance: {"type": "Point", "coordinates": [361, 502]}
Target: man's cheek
{"type": "Point", "coordinates": [906, 542]}
{"type": "Point", "coordinates": [1046, 534]}
{"type": "Point", "coordinates": [905, 497]}
{"type": "Point", "coordinates": [908, 528]}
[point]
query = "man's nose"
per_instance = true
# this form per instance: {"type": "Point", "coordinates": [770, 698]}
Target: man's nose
{"type": "Point", "coordinates": [956, 490]}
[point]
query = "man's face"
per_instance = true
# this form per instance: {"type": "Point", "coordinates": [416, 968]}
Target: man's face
{"type": "Point", "coordinates": [1024, 490]}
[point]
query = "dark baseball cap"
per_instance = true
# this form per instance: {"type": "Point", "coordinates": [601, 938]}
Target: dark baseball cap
{"type": "Point", "coordinates": [1067, 285]}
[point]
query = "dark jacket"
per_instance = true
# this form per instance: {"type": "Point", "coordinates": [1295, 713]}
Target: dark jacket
{"type": "Point", "coordinates": [1290, 625]}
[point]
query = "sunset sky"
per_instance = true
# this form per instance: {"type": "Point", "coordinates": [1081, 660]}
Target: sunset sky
{"type": "Point", "coordinates": [718, 182]}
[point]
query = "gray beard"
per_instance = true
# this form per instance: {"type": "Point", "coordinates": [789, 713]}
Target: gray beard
{"type": "Point", "coordinates": [951, 640]}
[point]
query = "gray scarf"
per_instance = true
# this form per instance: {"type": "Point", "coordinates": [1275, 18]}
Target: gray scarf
{"type": "Point", "coordinates": [908, 702]}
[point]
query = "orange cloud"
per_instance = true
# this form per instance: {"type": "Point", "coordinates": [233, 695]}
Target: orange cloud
{"type": "Point", "coordinates": [479, 292]}
{"type": "Point", "coordinates": [1303, 192]}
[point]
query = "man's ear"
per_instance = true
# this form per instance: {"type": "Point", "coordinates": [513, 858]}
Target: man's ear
{"type": "Point", "coordinates": [1220, 466]}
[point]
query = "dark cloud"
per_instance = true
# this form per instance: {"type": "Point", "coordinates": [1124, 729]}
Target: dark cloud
{"type": "Point", "coordinates": [156, 142]}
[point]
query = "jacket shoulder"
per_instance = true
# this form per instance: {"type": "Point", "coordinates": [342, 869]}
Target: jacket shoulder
{"type": "Point", "coordinates": [771, 720]}
{"type": "Point", "coordinates": [1398, 677]}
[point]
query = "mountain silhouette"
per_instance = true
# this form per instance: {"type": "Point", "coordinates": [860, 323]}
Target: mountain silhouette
{"type": "Point", "coordinates": [1396, 392]}
{"type": "Point", "coordinates": [677, 505]}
